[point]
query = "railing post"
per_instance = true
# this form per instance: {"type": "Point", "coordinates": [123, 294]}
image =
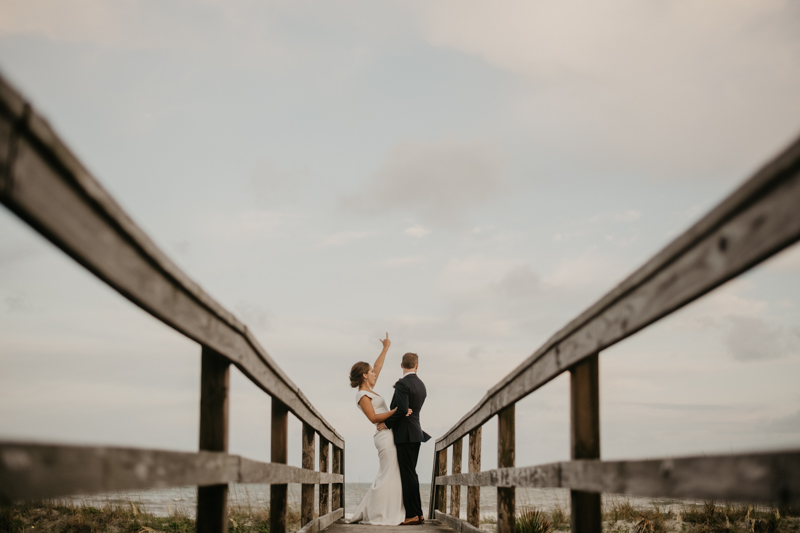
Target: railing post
{"type": "Point", "coordinates": [307, 490]}
{"type": "Point", "coordinates": [278, 454]}
{"type": "Point", "coordinates": [336, 489]}
{"type": "Point", "coordinates": [505, 459]}
{"type": "Point", "coordinates": [212, 501]}
{"type": "Point", "coordinates": [344, 479]}
{"type": "Point", "coordinates": [324, 507]}
{"type": "Point", "coordinates": [440, 492]}
{"type": "Point", "coordinates": [585, 439]}
{"type": "Point", "coordinates": [474, 493]}
{"type": "Point", "coordinates": [455, 490]}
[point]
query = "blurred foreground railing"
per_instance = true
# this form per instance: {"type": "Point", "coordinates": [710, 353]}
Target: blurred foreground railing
{"type": "Point", "coordinates": [760, 218]}
{"type": "Point", "coordinates": [47, 187]}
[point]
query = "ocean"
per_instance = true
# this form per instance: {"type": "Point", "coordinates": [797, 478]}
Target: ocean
{"type": "Point", "coordinates": [164, 502]}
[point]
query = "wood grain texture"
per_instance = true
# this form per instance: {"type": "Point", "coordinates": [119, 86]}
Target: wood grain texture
{"type": "Point", "coordinates": [440, 493]}
{"type": "Point", "coordinates": [769, 477]}
{"type": "Point", "coordinates": [51, 190]}
{"type": "Point", "coordinates": [586, 515]}
{"type": "Point", "coordinates": [506, 438]}
{"type": "Point", "coordinates": [323, 522]}
{"type": "Point", "coordinates": [337, 489]}
{"type": "Point", "coordinates": [455, 490]}
{"type": "Point", "coordinates": [324, 490]}
{"type": "Point", "coordinates": [474, 492]}
{"type": "Point", "coordinates": [212, 501]}
{"type": "Point", "coordinates": [31, 471]}
{"type": "Point", "coordinates": [756, 221]}
{"type": "Point", "coordinates": [307, 489]}
{"type": "Point", "coordinates": [456, 524]}
{"type": "Point", "coordinates": [279, 452]}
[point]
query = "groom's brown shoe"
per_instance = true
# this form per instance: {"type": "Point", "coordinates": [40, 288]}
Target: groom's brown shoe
{"type": "Point", "coordinates": [415, 521]}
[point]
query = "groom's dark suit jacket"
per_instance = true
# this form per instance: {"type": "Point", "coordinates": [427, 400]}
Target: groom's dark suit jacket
{"type": "Point", "coordinates": [409, 393]}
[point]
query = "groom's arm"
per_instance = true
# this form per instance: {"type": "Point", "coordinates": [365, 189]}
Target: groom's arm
{"type": "Point", "coordinates": [401, 400]}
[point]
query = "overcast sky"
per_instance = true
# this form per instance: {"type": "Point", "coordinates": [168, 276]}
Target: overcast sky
{"type": "Point", "coordinates": [468, 176]}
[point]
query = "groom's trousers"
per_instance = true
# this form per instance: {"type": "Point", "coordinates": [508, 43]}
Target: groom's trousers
{"type": "Point", "coordinates": [407, 455]}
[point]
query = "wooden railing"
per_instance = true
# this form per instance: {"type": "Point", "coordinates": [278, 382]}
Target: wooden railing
{"type": "Point", "coordinates": [47, 187]}
{"type": "Point", "coordinates": [758, 220]}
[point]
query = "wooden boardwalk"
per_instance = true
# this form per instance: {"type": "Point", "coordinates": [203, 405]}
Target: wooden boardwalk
{"type": "Point", "coordinates": [43, 183]}
{"type": "Point", "coordinates": [430, 526]}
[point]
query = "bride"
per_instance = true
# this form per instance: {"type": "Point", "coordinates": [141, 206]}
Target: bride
{"type": "Point", "coordinates": [383, 503]}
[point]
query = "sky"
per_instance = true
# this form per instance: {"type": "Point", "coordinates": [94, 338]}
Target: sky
{"type": "Point", "coordinates": [466, 176]}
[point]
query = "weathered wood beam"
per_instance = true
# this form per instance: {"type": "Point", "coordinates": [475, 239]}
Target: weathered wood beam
{"type": "Point", "coordinates": [474, 493]}
{"type": "Point", "coordinates": [321, 523]}
{"type": "Point", "coordinates": [307, 489]}
{"type": "Point", "coordinates": [456, 524]}
{"type": "Point", "coordinates": [337, 489]}
{"type": "Point", "coordinates": [212, 500]}
{"type": "Point", "coordinates": [756, 221]}
{"type": "Point", "coordinates": [324, 489]}
{"type": "Point", "coordinates": [506, 456]}
{"type": "Point", "coordinates": [37, 471]}
{"type": "Point", "coordinates": [46, 186]}
{"type": "Point", "coordinates": [279, 453]}
{"type": "Point", "coordinates": [586, 516]}
{"type": "Point", "coordinates": [439, 493]}
{"type": "Point", "coordinates": [455, 490]}
{"type": "Point", "coordinates": [769, 477]}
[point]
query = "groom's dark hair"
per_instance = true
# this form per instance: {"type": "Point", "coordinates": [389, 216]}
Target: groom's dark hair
{"type": "Point", "coordinates": [410, 360]}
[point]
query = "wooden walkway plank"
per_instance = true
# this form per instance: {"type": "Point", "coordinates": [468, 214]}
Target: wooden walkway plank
{"type": "Point", "coordinates": [430, 526]}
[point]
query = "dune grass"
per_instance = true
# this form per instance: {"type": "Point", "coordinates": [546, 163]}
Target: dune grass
{"type": "Point", "coordinates": [59, 517]}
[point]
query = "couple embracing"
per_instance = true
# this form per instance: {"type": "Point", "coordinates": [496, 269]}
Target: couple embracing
{"type": "Point", "coordinates": [393, 497]}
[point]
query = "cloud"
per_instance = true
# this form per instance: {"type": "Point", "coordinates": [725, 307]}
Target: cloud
{"type": "Point", "coordinates": [416, 231]}
{"type": "Point", "coordinates": [279, 186]}
{"type": "Point", "coordinates": [253, 316]}
{"type": "Point", "coordinates": [249, 224]}
{"type": "Point", "coordinates": [344, 237]}
{"type": "Point", "coordinates": [752, 338]}
{"type": "Point", "coordinates": [627, 216]}
{"type": "Point", "coordinates": [783, 424]}
{"type": "Point", "coordinates": [677, 88]}
{"type": "Point", "coordinates": [404, 261]}
{"type": "Point", "coordinates": [520, 282]}
{"type": "Point", "coordinates": [786, 261]}
{"type": "Point", "coordinates": [440, 183]}
{"type": "Point", "coordinates": [18, 303]}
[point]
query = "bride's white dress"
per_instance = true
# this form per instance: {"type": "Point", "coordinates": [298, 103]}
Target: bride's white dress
{"type": "Point", "coordinates": [383, 503]}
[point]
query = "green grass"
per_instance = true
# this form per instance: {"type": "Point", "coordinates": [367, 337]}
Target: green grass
{"type": "Point", "coordinates": [58, 517]}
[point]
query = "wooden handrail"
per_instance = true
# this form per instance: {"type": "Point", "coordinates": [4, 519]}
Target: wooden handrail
{"type": "Point", "coordinates": [36, 471]}
{"type": "Point", "coordinates": [768, 477]}
{"type": "Point", "coordinates": [46, 186]}
{"type": "Point", "coordinates": [759, 219]}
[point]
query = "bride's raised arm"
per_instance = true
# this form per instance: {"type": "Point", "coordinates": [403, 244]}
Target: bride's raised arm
{"type": "Point", "coordinates": [378, 366]}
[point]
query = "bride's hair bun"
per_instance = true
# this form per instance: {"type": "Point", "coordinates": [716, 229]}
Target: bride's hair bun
{"type": "Point", "coordinates": [357, 373]}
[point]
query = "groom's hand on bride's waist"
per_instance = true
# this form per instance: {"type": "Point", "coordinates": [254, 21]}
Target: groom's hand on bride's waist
{"type": "Point", "coordinates": [381, 426]}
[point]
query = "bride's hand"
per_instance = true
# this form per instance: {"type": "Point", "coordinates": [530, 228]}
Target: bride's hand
{"type": "Point", "coordinates": [386, 342]}
{"type": "Point", "coordinates": [409, 412]}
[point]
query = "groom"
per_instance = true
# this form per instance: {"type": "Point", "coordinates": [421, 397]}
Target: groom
{"type": "Point", "coordinates": [409, 393]}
